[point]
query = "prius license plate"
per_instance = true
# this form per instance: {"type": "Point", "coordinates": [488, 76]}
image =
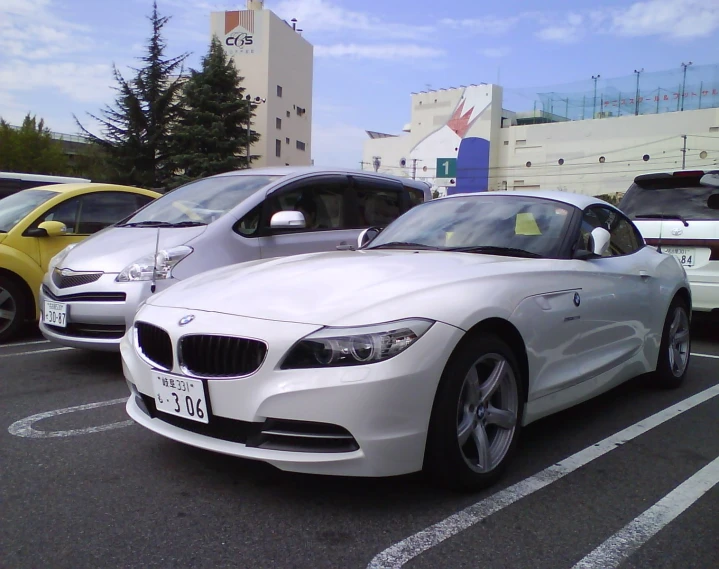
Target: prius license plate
{"type": "Point", "coordinates": [180, 396]}
{"type": "Point", "coordinates": [55, 314]}
{"type": "Point", "coordinates": [685, 255]}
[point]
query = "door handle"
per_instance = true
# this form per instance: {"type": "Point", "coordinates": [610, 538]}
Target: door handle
{"type": "Point", "coordinates": [644, 274]}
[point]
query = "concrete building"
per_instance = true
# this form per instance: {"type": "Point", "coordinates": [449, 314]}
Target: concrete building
{"type": "Point", "coordinates": [276, 63]}
{"type": "Point", "coordinates": [462, 139]}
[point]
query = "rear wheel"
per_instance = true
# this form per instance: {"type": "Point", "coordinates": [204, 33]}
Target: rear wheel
{"type": "Point", "coordinates": [476, 417]}
{"type": "Point", "coordinates": [674, 352]}
{"type": "Point", "coordinates": [12, 308]}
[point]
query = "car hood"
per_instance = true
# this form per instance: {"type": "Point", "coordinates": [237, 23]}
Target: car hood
{"type": "Point", "coordinates": [114, 248]}
{"type": "Point", "coordinates": [332, 287]}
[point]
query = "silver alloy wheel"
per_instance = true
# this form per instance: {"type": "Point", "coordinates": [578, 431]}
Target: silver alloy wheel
{"type": "Point", "coordinates": [487, 412]}
{"type": "Point", "coordinates": [679, 342]}
{"type": "Point", "coordinates": [8, 309]}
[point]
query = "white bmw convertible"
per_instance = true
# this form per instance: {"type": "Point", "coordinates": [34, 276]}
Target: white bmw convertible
{"type": "Point", "coordinates": [426, 348]}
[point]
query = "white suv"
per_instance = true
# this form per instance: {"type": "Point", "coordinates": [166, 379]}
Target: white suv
{"type": "Point", "coordinates": [679, 214]}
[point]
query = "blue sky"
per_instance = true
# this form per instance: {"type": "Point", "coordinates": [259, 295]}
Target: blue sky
{"type": "Point", "coordinates": [55, 55]}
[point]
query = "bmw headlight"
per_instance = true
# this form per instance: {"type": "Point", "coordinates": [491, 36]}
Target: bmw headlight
{"type": "Point", "coordinates": [360, 345]}
{"type": "Point", "coordinates": [161, 264]}
{"type": "Point", "coordinates": [59, 258]}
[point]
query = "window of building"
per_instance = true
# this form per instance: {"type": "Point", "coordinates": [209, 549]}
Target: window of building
{"type": "Point", "coordinates": [279, 90]}
{"type": "Point", "coordinates": [278, 123]}
{"type": "Point", "coordinates": [300, 145]}
{"type": "Point", "coordinates": [278, 147]}
{"type": "Point", "coordinates": [288, 114]}
{"type": "Point", "coordinates": [287, 140]}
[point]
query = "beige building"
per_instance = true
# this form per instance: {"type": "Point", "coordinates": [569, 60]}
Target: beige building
{"type": "Point", "coordinates": [276, 63]}
{"type": "Point", "coordinates": [462, 139]}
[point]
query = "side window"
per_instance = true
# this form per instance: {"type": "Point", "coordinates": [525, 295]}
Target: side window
{"type": "Point", "coordinates": [321, 202]}
{"type": "Point", "coordinates": [65, 212]}
{"type": "Point", "coordinates": [623, 240]}
{"type": "Point", "coordinates": [416, 197]}
{"type": "Point", "coordinates": [101, 209]}
{"type": "Point", "coordinates": [248, 226]}
{"type": "Point", "coordinates": [378, 203]}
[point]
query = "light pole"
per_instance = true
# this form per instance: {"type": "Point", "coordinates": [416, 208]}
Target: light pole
{"type": "Point", "coordinates": [684, 81]}
{"type": "Point", "coordinates": [250, 101]}
{"type": "Point", "coordinates": [636, 99]}
{"type": "Point", "coordinates": [594, 106]}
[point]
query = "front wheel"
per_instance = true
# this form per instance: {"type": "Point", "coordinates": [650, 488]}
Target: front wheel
{"type": "Point", "coordinates": [476, 416]}
{"type": "Point", "coordinates": [12, 308]}
{"type": "Point", "coordinates": [674, 352]}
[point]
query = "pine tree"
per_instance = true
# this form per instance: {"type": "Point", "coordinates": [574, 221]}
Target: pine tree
{"type": "Point", "coordinates": [135, 132]}
{"type": "Point", "coordinates": [211, 134]}
{"type": "Point", "coordinates": [31, 149]}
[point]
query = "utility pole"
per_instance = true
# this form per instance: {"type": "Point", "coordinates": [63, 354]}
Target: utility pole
{"type": "Point", "coordinates": [414, 168]}
{"type": "Point", "coordinates": [684, 152]}
{"type": "Point", "coordinates": [636, 98]}
{"type": "Point", "coordinates": [594, 106]}
{"type": "Point", "coordinates": [684, 81]}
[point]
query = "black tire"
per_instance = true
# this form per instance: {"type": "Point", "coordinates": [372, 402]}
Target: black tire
{"type": "Point", "coordinates": [12, 299]}
{"type": "Point", "coordinates": [446, 460]}
{"type": "Point", "coordinates": [669, 373]}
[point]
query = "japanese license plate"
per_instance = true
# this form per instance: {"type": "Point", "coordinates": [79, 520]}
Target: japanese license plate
{"type": "Point", "coordinates": [180, 396]}
{"type": "Point", "coordinates": [55, 314]}
{"type": "Point", "coordinates": [683, 254]}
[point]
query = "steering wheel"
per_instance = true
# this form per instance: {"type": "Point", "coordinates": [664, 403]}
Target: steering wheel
{"type": "Point", "coordinates": [186, 207]}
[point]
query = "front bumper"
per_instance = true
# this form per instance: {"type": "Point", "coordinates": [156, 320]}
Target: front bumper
{"type": "Point", "coordinates": [385, 406]}
{"type": "Point", "coordinates": [99, 313]}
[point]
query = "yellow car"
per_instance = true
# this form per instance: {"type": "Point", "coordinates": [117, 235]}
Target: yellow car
{"type": "Point", "coordinates": [38, 223]}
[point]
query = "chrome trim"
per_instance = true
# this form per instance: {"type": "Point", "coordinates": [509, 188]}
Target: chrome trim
{"type": "Point", "coordinates": [188, 373]}
{"type": "Point", "coordinates": [144, 358]}
{"type": "Point", "coordinates": [306, 435]}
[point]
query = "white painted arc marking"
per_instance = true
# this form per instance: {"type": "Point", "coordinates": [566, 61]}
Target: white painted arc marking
{"type": "Point", "coordinates": [400, 553]}
{"type": "Point", "coordinates": [19, 344]}
{"type": "Point", "coordinates": [642, 528]}
{"type": "Point", "coordinates": [705, 356]}
{"type": "Point", "coordinates": [35, 352]}
{"type": "Point", "coordinates": [23, 428]}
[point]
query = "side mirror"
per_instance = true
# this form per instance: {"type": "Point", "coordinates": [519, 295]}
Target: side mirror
{"type": "Point", "coordinates": [599, 241]}
{"type": "Point", "coordinates": [713, 201]}
{"type": "Point", "coordinates": [367, 235]}
{"type": "Point", "coordinates": [48, 229]}
{"type": "Point", "coordinates": [287, 220]}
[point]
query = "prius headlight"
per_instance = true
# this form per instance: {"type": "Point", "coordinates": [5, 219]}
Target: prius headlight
{"type": "Point", "coordinates": [355, 346]}
{"type": "Point", "coordinates": [161, 264]}
{"type": "Point", "coordinates": [60, 257]}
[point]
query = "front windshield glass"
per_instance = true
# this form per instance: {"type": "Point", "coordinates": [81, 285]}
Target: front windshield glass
{"type": "Point", "coordinates": [199, 202]}
{"type": "Point", "coordinates": [14, 208]}
{"type": "Point", "coordinates": [500, 224]}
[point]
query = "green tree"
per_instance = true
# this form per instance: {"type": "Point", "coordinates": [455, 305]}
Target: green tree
{"type": "Point", "coordinates": [31, 149]}
{"type": "Point", "coordinates": [211, 134]}
{"type": "Point", "coordinates": [136, 130]}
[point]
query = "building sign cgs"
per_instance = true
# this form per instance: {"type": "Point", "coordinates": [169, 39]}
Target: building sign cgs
{"type": "Point", "coordinates": [240, 35]}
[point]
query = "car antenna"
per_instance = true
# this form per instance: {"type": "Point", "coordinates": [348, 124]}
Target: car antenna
{"type": "Point", "coordinates": [153, 286]}
{"type": "Point", "coordinates": [659, 241]}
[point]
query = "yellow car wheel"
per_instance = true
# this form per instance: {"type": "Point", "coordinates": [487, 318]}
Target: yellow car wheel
{"type": "Point", "coordinates": [12, 308]}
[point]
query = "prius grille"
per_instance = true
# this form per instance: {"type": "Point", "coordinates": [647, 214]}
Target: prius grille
{"type": "Point", "coordinates": [73, 279]}
{"type": "Point", "coordinates": [207, 355]}
{"type": "Point", "coordinates": [155, 344]}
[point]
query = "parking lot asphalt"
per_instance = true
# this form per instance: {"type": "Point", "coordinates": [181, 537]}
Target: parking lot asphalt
{"type": "Point", "coordinates": [624, 480]}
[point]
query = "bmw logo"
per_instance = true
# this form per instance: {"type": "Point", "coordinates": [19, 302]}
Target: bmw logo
{"type": "Point", "coordinates": [577, 300]}
{"type": "Point", "coordinates": [186, 320]}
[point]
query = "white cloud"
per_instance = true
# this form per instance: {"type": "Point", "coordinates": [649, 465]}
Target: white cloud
{"type": "Point", "coordinates": [678, 19]}
{"type": "Point", "coordinates": [391, 52]}
{"type": "Point", "coordinates": [570, 31]}
{"type": "Point", "coordinates": [337, 144]}
{"type": "Point", "coordinates": [486, 25]}
{"type": "Point", "coordinates": [494, 52]}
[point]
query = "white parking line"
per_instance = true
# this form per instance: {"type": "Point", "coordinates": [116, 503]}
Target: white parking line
{"type": "Point", "coordinates": [35, 352]}
{"type": "Point", "coordinates": [705, 356]}
{"type": "Point", "coordinates": [407, 549]}
{"type": "Point", "coordinates": [640, 530]}
{"type": "Point", "coordinates": [19, 344]}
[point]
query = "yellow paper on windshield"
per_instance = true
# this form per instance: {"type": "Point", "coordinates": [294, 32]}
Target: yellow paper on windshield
{"type": "Point", "coordinates": [525, 224]}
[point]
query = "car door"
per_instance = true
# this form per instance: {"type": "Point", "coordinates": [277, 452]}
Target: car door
{"type": "Point", "coordinates": [325, 202]}
{"type": "Point", "coordinates": [617, 293]}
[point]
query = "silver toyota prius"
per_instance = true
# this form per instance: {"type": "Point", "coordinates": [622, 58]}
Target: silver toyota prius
{"type": "Point", "coordinates": [92, 290]}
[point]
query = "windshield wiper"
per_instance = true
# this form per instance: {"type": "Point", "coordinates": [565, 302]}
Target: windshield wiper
{"type": "Point", "coordinates": [163, 224]}
{"type": "Point", "coordinates": [661, 216]}
{"type": "Point", "coordinates": [493, 249]}
{"type": "Point", "coordinates": [406, 245]}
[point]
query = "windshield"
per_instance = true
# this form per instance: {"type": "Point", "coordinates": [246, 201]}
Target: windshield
{"type": "Point", "coordinates": [14, 208]}
{"type": "Point", "coordinates": [199, 202]}
{"type": "Point", "coordinates": [499, 224]}
{"type": "Point", "coordinates": [688, 203]}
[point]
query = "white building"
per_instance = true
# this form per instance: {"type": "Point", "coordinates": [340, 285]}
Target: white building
{"type": "Point", "coordinates": [276, 63]}
{"type": "Point", "coordinates": [462, 139]}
